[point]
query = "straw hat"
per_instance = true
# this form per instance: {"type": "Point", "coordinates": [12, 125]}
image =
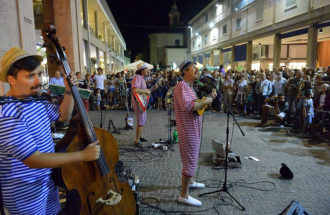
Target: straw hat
{"type": "Point", "coordinates": [141, 66]}
{"type": "Point", "coordinates": [10, 57]}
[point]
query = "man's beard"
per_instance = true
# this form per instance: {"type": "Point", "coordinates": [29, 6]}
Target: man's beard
{"type": "Point", "coordinates": [34, 88]}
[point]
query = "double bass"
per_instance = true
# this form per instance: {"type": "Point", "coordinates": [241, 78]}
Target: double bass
{"type": "Point", "coordinates": [92, 187]}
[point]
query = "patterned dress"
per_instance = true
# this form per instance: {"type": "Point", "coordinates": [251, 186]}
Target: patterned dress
{"type": "Point", "coordinates": [24, 129]}
{"type": "Point", "coordinates": [188, 125]}
{"type": "Point", "coordinates": [141, 116]}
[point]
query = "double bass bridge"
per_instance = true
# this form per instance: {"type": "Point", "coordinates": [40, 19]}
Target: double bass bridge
{"type": "Point", "coordinates": [114, 199]}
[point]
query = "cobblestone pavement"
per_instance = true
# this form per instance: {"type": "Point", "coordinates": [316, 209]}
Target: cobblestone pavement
{"type": "Point", "coordinates": [160, 171]}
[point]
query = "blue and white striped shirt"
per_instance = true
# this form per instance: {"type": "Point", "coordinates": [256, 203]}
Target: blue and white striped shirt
{"type": "Point", "coordinates": [24, 129]}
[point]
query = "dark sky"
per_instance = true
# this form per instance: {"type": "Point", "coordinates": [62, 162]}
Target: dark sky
{"type": "Point", "coordinates": [137, 18]}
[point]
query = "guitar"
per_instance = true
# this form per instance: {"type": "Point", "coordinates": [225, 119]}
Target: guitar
{"type": "Point", "coordinates": [143, 99]}
{"type": "Point", "coordinates": [201, 111]}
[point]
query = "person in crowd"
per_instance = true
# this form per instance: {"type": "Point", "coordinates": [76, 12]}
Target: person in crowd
{"type": "Point", "coordinates": [129, 79]}
{"type": "Point", "coordinates": [249, 99]}
{"type": "Point", "coordinates": [164, 87]}
{"type": "Point", "coordinates": [80, 80]}
{"type": "Point", "coordinates": [279, 84]}
{"type": "Point", "coordinates": [57, 79]}
{"type": "Point", "coordinates": [122, 89]}
{"type": "Point", "coordinates": [139, 86]}
{"type": "Point", "coordinates": [189, 129]}
{"type": "Point", "coordinates": [308, 111]}
{"type": "Point", "coordinates": [311, 74]}
{"type": "Point", "coordinates": [172, 80]}
{"type": "Point", "coordinates": [27, 153]}
{"type": "Point", "coordinates": [100, 81]}
{"type": "Point", "coordinates": [148, 79]}
{"type": "Point", "coordinates": [301, 96]}
{"type": "Point", "coordinates": [241, 86]}
{"type": "Point", "coordinates": [322, 107]}
{"type": "Point", "coordinates": [222, 70]}
{"type": "Point", "coordinates": [276, 106]}
{"type": "Point", "coordinates": [158, 96]}
{"type": "Point", "coordinates": [81, 85]}
{"type": "Point", "coordinates": [228, 89]}
{"type": "Point", "coordinates": [93, 75]}
{"type": "Point", "coordinates": [98, 98]}
{"type": "Point", "coordinates": [216, 102]}
{"type": "Point", "coordinates": [326, 79]}
{"type": "Point", "coordinates": [263, 90]}
{"type": "Point", "coordinates": [293, 85]}
{"type": "Point", "coordinates": [88, 83]}
{"type": "Point", "coordinates": [112, 90]}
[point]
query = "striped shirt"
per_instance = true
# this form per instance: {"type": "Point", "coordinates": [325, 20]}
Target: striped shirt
{"type": "Point", "coordinates": [25, 129]}
{"type": "Point", "coordinates": [188, 126]}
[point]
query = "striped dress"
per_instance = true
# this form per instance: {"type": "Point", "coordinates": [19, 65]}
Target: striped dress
{"type": "Point", "coordinates": [141, 116]}
{"type": "Point", "coordinates": [24, 129]}
{"type": "Point", "coordinates": [189, 127]}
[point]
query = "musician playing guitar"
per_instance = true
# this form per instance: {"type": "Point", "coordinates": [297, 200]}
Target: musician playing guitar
{"type": "Point", "coordinates": [26, 144]}
{"type": "Point", "coordinates": [189, 128]}
{"type": "Point", "coordinates": [139, 86]}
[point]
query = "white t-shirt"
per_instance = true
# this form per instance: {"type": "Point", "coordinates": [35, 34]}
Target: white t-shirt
{"type": "Point", "coordinates": [322, 100]}
{"type": "Point", "coordinates": [99, 79]}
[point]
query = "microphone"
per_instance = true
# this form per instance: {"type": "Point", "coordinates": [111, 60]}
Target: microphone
{"type": "Point", "coordinates": [210, 78]}
{"type": "Point", "coordinates": [47, 96]}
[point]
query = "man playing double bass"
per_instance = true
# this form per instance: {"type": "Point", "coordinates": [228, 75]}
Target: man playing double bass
{"type": "Point", "coordinates": [26, 145]}
{"type": "Point", "coordinates": [189, 126]}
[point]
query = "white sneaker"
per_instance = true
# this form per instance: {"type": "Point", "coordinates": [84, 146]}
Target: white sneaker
{"type": "Point", "coordinates": [197, 185]}
{"type": "Point", "coordinates": [190, 201]}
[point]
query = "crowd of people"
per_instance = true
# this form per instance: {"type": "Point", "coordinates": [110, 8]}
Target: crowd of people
{"type": "Point", "coordinates": [290, 96]}
{"type": "Point", "coordinates": [298, 97]}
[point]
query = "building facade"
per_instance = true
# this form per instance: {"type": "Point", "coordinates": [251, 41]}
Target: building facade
{"type": "Point", "coordinates": [102, 45]}
{"type": "Point", "coordinates": [260, 34]}
{"type": "Point", "coordinates": [168, 46]}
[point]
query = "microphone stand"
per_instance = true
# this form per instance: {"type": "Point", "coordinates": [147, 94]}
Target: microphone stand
{"type": "Point", "coordinates": [224, 187]}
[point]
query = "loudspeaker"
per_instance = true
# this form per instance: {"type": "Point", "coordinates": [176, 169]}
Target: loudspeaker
{"type": "Point", "coordinates": [285, 172]}
{"type": "Point", "coordinates": [294, 208]}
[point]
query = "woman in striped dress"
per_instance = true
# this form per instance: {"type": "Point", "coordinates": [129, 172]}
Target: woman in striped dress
{"type": "Point", "coordinates": [139, 86]}
{"type": "Point", "coordinates": [26, 144]}
{"type": "Point", "coordinates": [189, 129]}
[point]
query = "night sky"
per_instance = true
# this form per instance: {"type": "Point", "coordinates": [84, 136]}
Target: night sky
{"type": "Point", "coordinates": [137, 18]}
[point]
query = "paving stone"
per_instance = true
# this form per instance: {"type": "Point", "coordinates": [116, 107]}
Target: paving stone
{"type": "Point", "coordinates": [160, 171]}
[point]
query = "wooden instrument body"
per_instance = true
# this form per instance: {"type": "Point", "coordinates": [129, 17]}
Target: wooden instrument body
{"type": "Point", "coordinates": [201, 111]}
{"type": "Point", "coordinates": [93, 187]}
{"type": "Point", "coordinates": [85, 178]}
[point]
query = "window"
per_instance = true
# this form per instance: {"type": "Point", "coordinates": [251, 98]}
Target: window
{"type": "Point", "coordinates": [238, 23]}
{"type": "Point", "coordinates": [194, 45]}
{"type": "Point", "coordinates": [236, 7]}
{"type": "Point", "coordinates": [224, 29]}
{"type": "Point", "coordinates": [219, 9]}
{"type": "Point", "coordinates": [290, 4]}
{"type": "Point", "coordinates": [206, 17]}
{"type": "Point", "coordinates": [259, 11]}
{"type": "Point", "coordinates": [177, 42]}
{"type": "Point", "coordinates": [206, 39]}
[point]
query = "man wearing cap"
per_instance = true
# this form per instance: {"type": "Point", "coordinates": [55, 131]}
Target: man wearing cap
{"type": "Point", "coordinates": [26, 145]}
{"type": "Point", "coordinates": [139, 86]}
{"type": "Point", "coordinates": [189, 128]}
